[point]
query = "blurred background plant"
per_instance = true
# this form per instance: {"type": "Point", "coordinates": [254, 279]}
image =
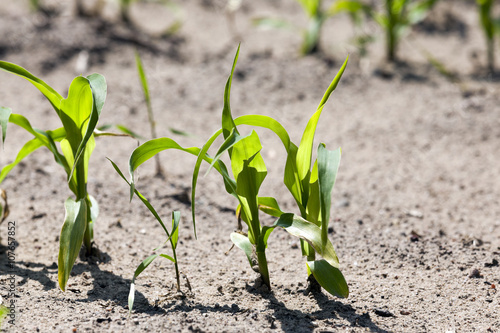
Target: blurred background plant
{"type": "Point", "coordinates": [491, 28]}
{"type": "Point", "coordinates": [316, 15]}
{"type": "Point", "coordinates": [396, 17]}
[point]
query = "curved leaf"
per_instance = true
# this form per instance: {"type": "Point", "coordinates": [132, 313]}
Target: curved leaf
{"type": "Point", "coordinates": [309, 232]}
{"type": "Point", "coordinates": [71, 238]}
{"type": "Point", "coordinates": [269, 206]}
{"type": "Point", "coordinates": [243, 243]}
{"type": "Point", "coordinates": [98, 88]}
{"type": "Point", "coordinates": [52, 95]}
{"type": "Point", "coordinates": [328, 165]}
{"type": "Point", "coordinates": [41, 139]}
{"type": "Point", "coordinates": [176, 217]}
{"type": "Point", "coordinates": [4, 120]}
{"type": "Point", "coordinates": [304, 153]}
{"type": "Point", "coordinates": [329, 277]}
{"type": "Point", "coordinates": [142, 266]}
{"type": "Point", "coordinates": [227, 118]}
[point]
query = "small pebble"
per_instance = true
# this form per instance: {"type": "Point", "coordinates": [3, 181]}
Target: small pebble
{"type": "Point", "coordinates": [475, 274]}
{"type": "Point", "coordinates": [383, 313]}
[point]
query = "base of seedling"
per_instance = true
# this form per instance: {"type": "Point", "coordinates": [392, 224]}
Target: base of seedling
{"type": "Point", "coordinates": [312, 286]}
{"type": "Point", "coordinates": [95, 256]}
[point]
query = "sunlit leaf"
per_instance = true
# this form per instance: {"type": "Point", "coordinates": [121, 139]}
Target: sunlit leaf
{"type": "Point", "coordinates": [329, 277]}
{"type": "Point", "coordinates": [71, 238]}
{"type": "Point", "coordinates": [328, 165]}
{"type": "Point", "coordinates": [4, 120]}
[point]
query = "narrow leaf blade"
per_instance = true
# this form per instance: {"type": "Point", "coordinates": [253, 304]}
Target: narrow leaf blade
{"type": "Point", "coordinates": [71, 238]}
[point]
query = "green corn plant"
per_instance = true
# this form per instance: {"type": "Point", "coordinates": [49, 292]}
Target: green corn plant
{"type": "Point", "coordinates": [491, 27]}
{"type": "Point", "coordinates": [311, 184]}
{"type": "Point", "coordinates": [172, 237]}
{"type": "Point", "coordinates": [249, 171]}
{"type": "Point", "coordinates": [79, 114]}
{"type": "Point", "coordinates": [316, 15]}
{"type": "Point", "coordinates": [400, 15]}
{"type": "Point", "coordinates": [396, 19]}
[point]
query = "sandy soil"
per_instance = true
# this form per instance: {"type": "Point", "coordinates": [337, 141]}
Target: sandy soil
{"type": "Point", "coordinates": [416, 208]}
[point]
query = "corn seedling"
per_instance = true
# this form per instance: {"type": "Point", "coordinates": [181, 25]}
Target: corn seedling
{"type": "Point", "coordinates": [491, 27]}
{"type": "Point", "coordinates": [172, 237]}
{"type": "Point", "coordinates": [79, 114]}
{"type": "Point", "coordinates": [316, 15]}
{"type": "Point", "coordinates": [249, 171]}
{"type": "Point", "coordinates": [396, 19]}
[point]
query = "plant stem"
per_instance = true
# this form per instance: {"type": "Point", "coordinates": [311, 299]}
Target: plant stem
{"type": "Point", "coordinates": [391, 33]}
{"type": "Point", "coordinates": [491, 55]}
{"type": "Point", "coordinates": [89, 229]}
{"type": "Point", "coordinates": [264, 271]}
{"type": "Point", "coordinates": [177, 274]}
{"type": "Point", "coordinates": [152, 126]}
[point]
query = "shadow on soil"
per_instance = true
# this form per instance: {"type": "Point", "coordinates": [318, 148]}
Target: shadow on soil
{"type": "Point", "coordinates": [290, 320]}
{"type": "Point", "coordinates": [106, 285]}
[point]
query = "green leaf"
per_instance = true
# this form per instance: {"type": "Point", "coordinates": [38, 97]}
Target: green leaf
{"type": "Point", "coordinates": [248, 149]}
{"type": "Point", "coordinates": [309, 232]}
{"type": "Point", "coordinates": [230, 141]}
{"type": "Point", "coordinates": [99, 90]}
{"type": "Point", "coordinates": [142, 198]}
{"type": "Point", "coordinates": [328, 165]}
{"type": "Point", "coordinates": [304, 153]}
{"type": "Point", "coordinates": [142, 266]}
{"type": "Point", "coordinates": [142, 76]}
{"type": "Point", "coordinates": [329, 277]}
{"type": "Point", "coordinates": [101, 131]}
{"type": "Point", "coordinates": [313, 206]}
{"type": "Point", "coordinates": [229, 183]}
{"type": "Point", "coordinates": [41, 139]}
{"type": "Point", "coordinates": [71, 238]}
{"type": "Point", "coordinates": [264, 236]}
{"type": "Point", "coordinates": [227, 119]}
{"type": "Point", "coordinates": [243, 243]}
{"type": "Point", "coordinates": [94, 213]}
{"type": "Point", "coordinates": [166, 256]}
{"type": "Point", "coordinates": [4, 311]}
{"type": "Point", "coordinates": [52, 95]}
{"type": "Point", "coordinates": [176, 217]}
{"type": "Point", "coordinates": [4, 119]}
{"type": "Point", "coordinates": [269, 206]}
{"type": "Point", "coordinates": [149, 149]}
{"type": "Point", "coordinates": [75, 115]}
{"type": "Point", "coordinates": [311, 7]}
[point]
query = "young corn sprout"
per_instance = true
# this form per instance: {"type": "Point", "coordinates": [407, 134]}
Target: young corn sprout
{"type": "Point", "coordinates": [491, 27]}
{"type": "Point", "coordinates": [249, 171]}
{"type": "Point", "coordinates": [72, 144]}
{"type": "Point", "coordinates": [396, 19]}
{"type": "Point", "coordinates": [172, 237]}
{"type": "Point", "coordinates": [316, 15]}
